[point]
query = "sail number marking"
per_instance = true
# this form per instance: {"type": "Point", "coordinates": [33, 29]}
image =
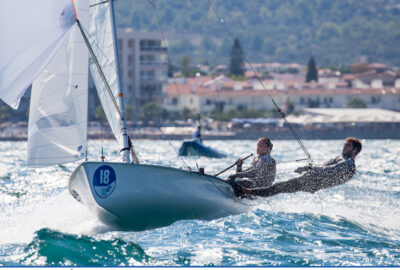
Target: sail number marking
{"type": "Point", "coordinates": [104, 181]}
{"type": "Point", "coordinates": [104, 177]}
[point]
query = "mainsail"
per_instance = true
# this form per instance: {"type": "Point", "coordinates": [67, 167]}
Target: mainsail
{"type": "Point", "coordinates": [29, 43]}
{"type": "Point", "coordinates": [102, 42]}
{"type": "Point", "coordinates": [57, 127]}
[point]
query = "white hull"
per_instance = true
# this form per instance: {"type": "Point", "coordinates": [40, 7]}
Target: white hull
{"type": "Point", "coordinates": [141, 197]}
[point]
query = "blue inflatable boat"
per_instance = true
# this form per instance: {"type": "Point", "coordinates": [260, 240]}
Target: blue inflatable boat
{"type": "Point", "coordinates": [196, 148]}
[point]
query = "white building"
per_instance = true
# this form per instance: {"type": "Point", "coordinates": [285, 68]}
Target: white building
{"type": "Point", "coordinates": [144, 66]}
{"type": "Point", "coordinates": [201, 98]}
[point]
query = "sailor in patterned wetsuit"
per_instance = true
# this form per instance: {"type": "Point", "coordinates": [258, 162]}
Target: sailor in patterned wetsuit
{"type": "Point", "coordinates": [332, 173]}
{"type": "Point", "coordinates": [262, 171]}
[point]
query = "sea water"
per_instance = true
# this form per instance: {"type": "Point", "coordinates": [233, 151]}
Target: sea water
{"type": "Point", "coordinates": [357, 224]}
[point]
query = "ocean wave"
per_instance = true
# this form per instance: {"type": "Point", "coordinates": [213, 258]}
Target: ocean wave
{"type": "Point", "coordinates": [53, 248]}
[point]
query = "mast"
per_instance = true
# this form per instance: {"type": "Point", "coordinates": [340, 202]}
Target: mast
{"type": "Point", "coordinates": [119, 83]}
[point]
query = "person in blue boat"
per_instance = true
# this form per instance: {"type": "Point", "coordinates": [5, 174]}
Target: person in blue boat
{"type": "Point", "coordinates": [262, 171]}
{"type": "Point", "coordinates": [334, 172]}
{"type": "Point", "coordinates": [197, 134]}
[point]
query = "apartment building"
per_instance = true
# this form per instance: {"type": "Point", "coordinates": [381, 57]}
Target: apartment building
{"type": "Point", "coordinates": [144, 66]}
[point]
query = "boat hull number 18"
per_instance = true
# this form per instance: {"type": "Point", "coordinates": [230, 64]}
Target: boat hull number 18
{"type": "Point", "coordinates": [104, 181]}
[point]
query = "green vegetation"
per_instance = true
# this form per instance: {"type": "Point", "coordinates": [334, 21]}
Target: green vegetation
{"type": "Point", "coordinates": [312, 72]}
{"type": "Point", "coordinates": [356, 102]}
{"type": "Point", "coordinates": [185, 66]}
{"type": "Point", "coordinates": [335, 32]}
{"type": "Point", "coordinates": [151, 111]}
{"type": "Point", "coordinates": [5, 113]}
{"type": "Point", "coordinates": [99, 114]}
{"type": "Point", "coordinates": [236, 65]}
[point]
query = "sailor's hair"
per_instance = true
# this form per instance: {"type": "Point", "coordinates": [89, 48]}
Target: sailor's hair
{"type": "Point", "coordinates": [356, 143]}
{"type": "Point", "coordinates": [267, 141]}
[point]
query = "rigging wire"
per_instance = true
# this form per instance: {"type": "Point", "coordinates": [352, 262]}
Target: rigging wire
{"type": "Point", "coordinates": [164, 40]}
{"type": "Point", "coordinates": [95, 43]}
{"type": "Point", "coordinates": [282, 114]}
{"type": "Point", "coordinates": [278, 109]}
{"type": "Point", "coordinates": [100, 50]}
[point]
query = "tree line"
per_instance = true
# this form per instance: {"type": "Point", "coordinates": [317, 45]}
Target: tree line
{"type": "Point", "coordinates": [335, 32]}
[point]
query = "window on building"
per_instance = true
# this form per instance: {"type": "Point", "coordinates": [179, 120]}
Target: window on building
{"type": "Point", "coordinates": [120, 42]}
{"type": "Point", "coordinates": [302, 100]}
{"type": "Point", "coordinates": [130, 58]}
{"type": "Point", "coordinates": [375, 100]}
{"type": "Point", "coordinates": [150, 43]}
{"type": "Point", "coordinates": [313, 103]}
{"type": "Point", "coordinates": [242, 107]}
{"type": "Point", "coordinates": [208, 102]}
{"type": "Point", "coordinates": [174, 101]}
{"type": "Point", "coordinates": [191, 100]}
{"type": "Point", "coordinates": [147, 75]}
{"type": "Point", "coordinates": [130, 73]}
{"type": "Point", "coordinates": [130, 43]}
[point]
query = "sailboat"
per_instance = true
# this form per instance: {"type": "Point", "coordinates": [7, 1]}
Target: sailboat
{"type": "Point", "coordinates": [194, 147]}
{"type": "Point", "coordinates": [49, 44]}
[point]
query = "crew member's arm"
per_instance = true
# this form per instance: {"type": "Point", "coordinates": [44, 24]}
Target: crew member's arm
{"type": "Point", "coordinates": [239, 164]}
{"type": "Point", "coordinates": [248, 173]}
{"type": "Point", "coordinates": [342, 166]}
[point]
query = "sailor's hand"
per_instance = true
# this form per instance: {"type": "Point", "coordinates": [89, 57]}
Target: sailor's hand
{"type": "Point", "coordinates": [246, 191]}
{"type": "Point", "coordinates": [239, 162]}
{"type": "Point", "coordinates": [303, 169]}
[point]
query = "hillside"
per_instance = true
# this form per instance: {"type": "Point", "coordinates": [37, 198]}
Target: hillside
{"type": "Point", "coordinates": [335, 32]}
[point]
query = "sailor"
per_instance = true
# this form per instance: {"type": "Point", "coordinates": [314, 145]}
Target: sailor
{"type": "Point", "coordinates": [262, 171]}
{"type": "Point", "coordinates": [197, 134]}
{"type": "Point", "coordinates": [334, 172]}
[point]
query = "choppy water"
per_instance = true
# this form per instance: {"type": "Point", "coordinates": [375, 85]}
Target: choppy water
{"type": "Point", "coordinates": [355, 224]}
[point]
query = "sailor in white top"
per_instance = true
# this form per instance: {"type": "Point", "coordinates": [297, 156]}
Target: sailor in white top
{"type": "Point", "coordinates": [197, 134]}
{"type": "Point", "coordinates": [262, 171]}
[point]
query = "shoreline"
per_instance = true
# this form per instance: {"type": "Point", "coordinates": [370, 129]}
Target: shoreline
{"type": "Point", "coordinates": [314, 134]}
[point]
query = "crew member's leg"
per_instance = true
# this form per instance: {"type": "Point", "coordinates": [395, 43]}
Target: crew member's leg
{"type": "Point", "coordinates": [302, 183]}
{"type": "Point", "coordinates": [245, 183]}
{"type": "Point", "coordinates": [289, 186]}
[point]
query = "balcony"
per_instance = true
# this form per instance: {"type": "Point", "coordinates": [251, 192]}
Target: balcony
{"type": "Point", "coordinates": [153, 64]}
{"type": "Point", "coordinates": [153, 49]}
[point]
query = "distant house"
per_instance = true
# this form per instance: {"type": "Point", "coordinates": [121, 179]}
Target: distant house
{"type": "Point", "coordinates": [204, 96]}
{"type": "Point", "coordinates": [376, 79]}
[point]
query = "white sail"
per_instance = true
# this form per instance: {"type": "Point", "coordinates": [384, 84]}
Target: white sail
{"type": "Point", "coordinates": [58, 112]}
{"type": "Point", "coordinates": [101, 40]}
{"type": "Point", "coordinates": [31, 32]}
